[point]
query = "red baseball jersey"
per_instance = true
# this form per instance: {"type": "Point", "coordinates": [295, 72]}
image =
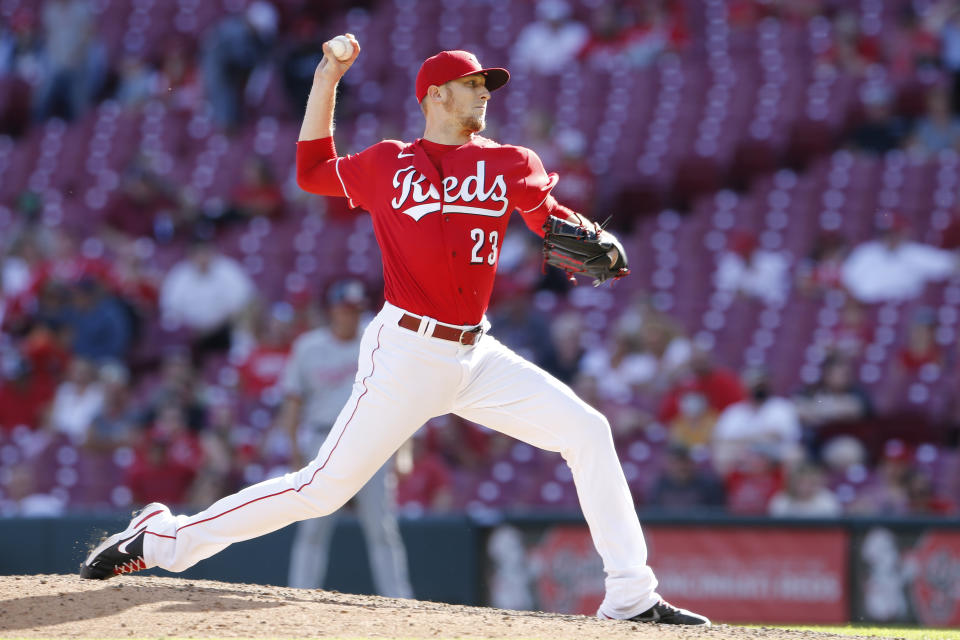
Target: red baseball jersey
{"type": "Point", "coordinates": [440, 231]}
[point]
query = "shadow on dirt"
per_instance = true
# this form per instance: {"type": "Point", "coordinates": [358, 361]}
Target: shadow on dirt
{"type": "Point", "coordinates": [73, 606]}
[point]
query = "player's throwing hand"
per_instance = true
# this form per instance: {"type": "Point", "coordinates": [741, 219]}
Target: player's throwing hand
{"type": "Point", "coordinates": [333, 66]}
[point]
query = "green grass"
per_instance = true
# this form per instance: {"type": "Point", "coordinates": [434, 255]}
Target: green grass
{"type": "Point", "coordinates": [910, 633]}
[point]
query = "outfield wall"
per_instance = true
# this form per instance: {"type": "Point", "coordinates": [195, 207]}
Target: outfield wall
{"type": "Point", "coordinates": [746, 570]}
{"type": "Point", "coordinates": [735, 570]}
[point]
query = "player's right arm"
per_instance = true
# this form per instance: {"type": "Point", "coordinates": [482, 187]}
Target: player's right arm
{"type": "Point", "coordinates": [316, 154]}
{"type": "Point", "coordinates": [318, 119]}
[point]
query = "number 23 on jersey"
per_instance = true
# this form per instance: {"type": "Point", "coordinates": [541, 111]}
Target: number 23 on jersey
{"type": "Point", "coordinates": [485, 246]}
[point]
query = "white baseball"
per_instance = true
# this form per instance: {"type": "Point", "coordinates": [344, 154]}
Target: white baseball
{"type": "Point", "coordinates": [341, 47]}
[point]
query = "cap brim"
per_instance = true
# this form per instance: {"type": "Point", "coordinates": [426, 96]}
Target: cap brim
{"type": "Point", "coordinates": [495, 77]}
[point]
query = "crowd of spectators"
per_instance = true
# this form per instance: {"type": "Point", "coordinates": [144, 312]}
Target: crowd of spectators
{"type": "Point", "coordinates": [191, 419]}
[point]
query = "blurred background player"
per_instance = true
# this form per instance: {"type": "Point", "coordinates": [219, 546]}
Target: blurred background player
{"type": "Point", "coordinates": [316, 383]}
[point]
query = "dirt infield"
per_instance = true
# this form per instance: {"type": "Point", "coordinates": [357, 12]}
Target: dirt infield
{"type": "Point", "coordinates": [58, 606]}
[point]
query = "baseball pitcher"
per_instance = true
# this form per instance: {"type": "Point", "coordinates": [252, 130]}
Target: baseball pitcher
{"type": "Point", "coordinates": [440, 207]}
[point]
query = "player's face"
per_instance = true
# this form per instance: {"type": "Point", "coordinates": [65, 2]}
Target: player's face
{"type": "Point", "coordinates": [466, 102]}
{"type": "Point", "coordinates": [344, 319]}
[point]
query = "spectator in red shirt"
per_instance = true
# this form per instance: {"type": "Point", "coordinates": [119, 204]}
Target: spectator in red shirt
{"type": "Point", "coordinates": [425, 486]}
{"type": "Point", "coordinates": [44, 350]}
{"type": "Point", "coordinates": [306, 312]}
{"type": "Point", "coordinates": [258, 194]}
{"type": "Point", "coordinates": [65, 264]}
{"type": "Point", "coordinates": [721, 387]}
{"type": "Point", "coordinates": [912, 47]}
{"type": "Point", "coordinates": [852, 332]}
{"type": "Point", "coordinates": [154, 476]}
{"type": "Point", "coordinates": [751, 485]}
{"type": "Point", "coordinates": [23, 397]}
{"type": "Point", "coordinates": [134, 280]}
{"type": "Point", "coordinates": [922, 500]}
{"type": "Point", "coordinates": [635, 35]}
{"type": "Point", "coordinates": [851, 51]}
{"type": "Point", "coordinates": [168, 459]}
{"type": "Point", "coordinates": [950, 235]}
{"type": "Point", "coordinates": [821, 271]}
{"type": "Point", "coordinates": [262, 367]}
{"type": "Point", "coordinates": [142, 205]}
{"type": "Point", "coordinates": [605, 34]}
{"type": "Point", "coordinates": [921, 348]}
{"type": "Point", "coordinates": [743, 14]}
{"type": "Point", "coordinates": [29, 379]}
{"type": "Point", "coordinates": [183, 443]}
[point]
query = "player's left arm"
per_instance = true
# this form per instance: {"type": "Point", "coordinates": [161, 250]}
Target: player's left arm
{"type": "Point", "coordinates": [536, 203]}
{"type": "Point", "coordinates": [541, 212]}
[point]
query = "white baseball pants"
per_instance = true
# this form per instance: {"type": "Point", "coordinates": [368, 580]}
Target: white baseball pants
{"type": "Point", "coordinates": [404, 379]}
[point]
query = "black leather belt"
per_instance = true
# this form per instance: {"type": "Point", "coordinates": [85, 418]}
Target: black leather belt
{"type": "Point", "coordinates": [453, 334]}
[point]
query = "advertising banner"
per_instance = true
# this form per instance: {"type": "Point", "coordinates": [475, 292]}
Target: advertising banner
{"type": "Point", "coordinates": [754, 574]}
{"type": "Point", "coordinates": [907, 575]}
{"type": "Point", "coordinates": [731, 574]}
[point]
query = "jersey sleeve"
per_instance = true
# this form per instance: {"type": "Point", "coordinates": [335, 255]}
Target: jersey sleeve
{"type": "Point", "coordinates": [321, 171]}
{"type": "Point", "coordinates": [535, 202]}
{"type": "Point", "coordinates": [316, 167]}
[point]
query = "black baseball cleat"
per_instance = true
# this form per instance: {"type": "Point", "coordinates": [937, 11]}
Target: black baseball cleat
{"type": "Point", "coordinates": [665, 613]}
{"type": "Point", "coordinates": [122, 552]}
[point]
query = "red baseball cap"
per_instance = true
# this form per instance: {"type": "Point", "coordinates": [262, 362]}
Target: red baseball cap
{"type": "Point", "coordinates": [450, 65]}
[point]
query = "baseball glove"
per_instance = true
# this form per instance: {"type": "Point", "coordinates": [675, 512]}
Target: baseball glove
{"type": "Point", "coordinates": [578, 249]}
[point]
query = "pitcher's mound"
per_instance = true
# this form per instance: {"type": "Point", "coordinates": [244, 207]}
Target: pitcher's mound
{"type": "Point", "coordinates": [58, 606]}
